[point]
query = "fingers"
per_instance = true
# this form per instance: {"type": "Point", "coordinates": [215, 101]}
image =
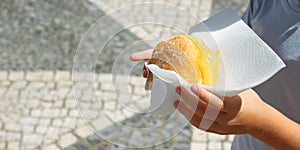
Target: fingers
{"type": "Point", "coordinates": [194, 119]}
{"type": "Point", "coordinates": [142, 55]}
{"type": "Point", "coordinates": [209, 98]}
{"type": "Point", "coordinates": [191, 101]}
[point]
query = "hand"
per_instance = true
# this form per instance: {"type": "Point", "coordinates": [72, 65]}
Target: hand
{"type": "Point", "coordinates": [142, 55]}
{"type": "Point", "coordinates": [235, 115]}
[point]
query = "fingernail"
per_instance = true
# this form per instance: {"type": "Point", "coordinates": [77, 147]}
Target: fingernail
{"type": "Point", "coordinates": [178, 89]}
{"type": "Point", "coordinates": [145, 73]}
{"type": "Point", "coordinates": [195, 89]}
{"type": "Point", "coordinates": [176, 103]}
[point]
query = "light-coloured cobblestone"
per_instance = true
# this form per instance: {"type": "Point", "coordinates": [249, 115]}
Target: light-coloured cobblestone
{"type": "Point", "coordinates": [39, 76]}
{"type": "Point", "coordinates": [67, 140]}
{"type": "Point", "coordinates": [41, 130]}
{"type": "Point", "coordinates": [36, 85]}
{"type": "Point", "coordinates": [5, 83]}
{"type": "Point", "coordinates": [27, 129]}
{"type": "Point", "coordinates": [3, 90]}
{"type": "Point", "coordinates": [50, 113]}
{"type": "Point", "coordinates": [199, 136]}
{"type": "Point", "coordinates": [198, 146]}
{"type": "Point", "coordinates": [13, 145]}
{"type": "Point", "coordinates": [84, 131]}
{"type": "Point", "coordinates": [62, 76]}
{"type": "Point", "coordinates": [3, 75]}
{"type": "Point", "coordinates": [227, 145]}
{"type": "Point", "coordinates": [44, 121]}
{"type": "Point", "coordinates": [2, 145]}
{"type": "Point", "coordinates": [18, 85]}
{"type": "Point", "coordinates": [33, 139]}
{"type": "Point", "coordinates": [36, 113]}
{"type": "Point", "coordinates": [16, 76]}
{"type": "Point", "coordinates": [214, 145]}
{"type": "Point", "coordinates": [70, 103]}
{"type": "Point", "coordinates": [230, 138]}
{"type": "Point", "coordinates": [12, 127]}
{"type": "Point", "coordinates": [51, 147]}
{"type": "Point", "coordinates": [216, 137]}
{"type": "Point", "coordinates": [32, 103]}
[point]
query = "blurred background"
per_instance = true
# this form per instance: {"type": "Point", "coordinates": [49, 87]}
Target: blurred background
{"type": "Point", "coordinates": [38, 43]}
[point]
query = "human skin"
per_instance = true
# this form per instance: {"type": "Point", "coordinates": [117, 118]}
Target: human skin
{"type": "Point", "coordinates": [245, 113]}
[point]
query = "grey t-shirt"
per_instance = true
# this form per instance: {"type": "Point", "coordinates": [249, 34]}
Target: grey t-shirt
{"type": "Point", "coordinates": [277, 22]}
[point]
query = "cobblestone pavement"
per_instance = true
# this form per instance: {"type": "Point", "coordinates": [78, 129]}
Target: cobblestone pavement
{"type": "Point", "coordinates": [37, 46]}
{"type": "Point", "coordinates": [38, 111]}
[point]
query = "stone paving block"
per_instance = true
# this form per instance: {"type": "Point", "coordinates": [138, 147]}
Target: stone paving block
{"type": "Point", "coordinates": [101, 123]}
{"type": "Point", "coordinates": [29, 120]}
{"type": "Point", "coordinates": [2, 144]}
{"type": "Point", "coordinates": [34, 139]}
{"type": "Point", "coordinates": [41, 129]}
{"type": "Point", "coordinates": [62, 76]}
{"type": "Point", "coordinates": [27, 129]}
{"type": "Point", "coordinates": [36, 85]}
{"type": "Point", "coordinates": [32, 103]}
{"type": "Point", "coordinates": [57, 122]}
{"type": "Point", "coordinates": [12, 94]}
{"type": "Point", "coordinates": [230, 138]}
{"type": "Point", "coordinates": [47, 76]}
{"type": "Point", "coordinates": [107, 86]}
{"type": "Point", "coordinates": [74, 113]}
{"type": "Point", "coordinates": [227, 145]}
{"type": "Point", "coordinates": [58, 104]}
{"type": "Point", "coordinates": [63, 92]}
{"type": "Point", "coordinates": [3, 75]}
{"type": "Point", "coordinates": [70, 103]}
{"type": "Point", "coordinates": [69, 123]}
{"type": "Point", "coordinates": [13, 145]}
{"type": "Point", "coordinates": [84, 131]}
{"type": "Point", "coordinates": [5, 83]}
{"type": "Point", "coordinates": [2, 135]}
{"type": "Point", "coordinates": [82, 85]}
{"type": "Point", "coordinates": [140, 91]}
{"type": "Point", "coordinates": [34, 76]}
{"type": "Point", "coordinates": [83, 76]}
{"type": "Point", "coordinates": [16, 76]}
{"type": "Point", "coordinates": [51, 147]}
{"type": "Point", "coordinates": [12, 127]}
{"type": "Point", "coordinates": [36, 113]}
{"type": "Point", "coordinates": [198, 135]}
{"type": "Point", "coordinates": [3, 90]}
{"type": "Point", "coordinates": [50, 113]}
{"type": "Point", "coordinates": [18, 85]}
{"type": "Point", "coordinates": [67, 140]}
{"type": "Point", "coordinates": [44, 121]}
{"type": "Point", "coordinates": [212, 145]}
{"type": "Point", "coordinates": [46, 104]}
{"type": "Point", "coordinates": [50, 85]}
{"type": "Point", "coordinates": [61, 84]}
{"type": "Point", "coordinates": [52, 133]}
{"type": "Point", "coordinates": [104, 78]}
{"type": "Point", "coordinates": [198, 146]}
{"type": "Point", "coordinates": [137, 81]}
{"type": "Point", "coordinates": [39, 76]}
{"type": "Point", "coordinates": [216, 137]}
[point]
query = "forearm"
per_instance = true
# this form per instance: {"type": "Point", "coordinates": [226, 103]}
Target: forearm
{"type": "Point", "coordinates": [277, 130]}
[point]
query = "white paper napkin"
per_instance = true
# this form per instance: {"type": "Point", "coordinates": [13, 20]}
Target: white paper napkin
{"type": "Point", "coordinates": [246, 61]}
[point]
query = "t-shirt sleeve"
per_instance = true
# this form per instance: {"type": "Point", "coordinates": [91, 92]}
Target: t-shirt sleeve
{"type": "Point", "coordinates": [248, 14]}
